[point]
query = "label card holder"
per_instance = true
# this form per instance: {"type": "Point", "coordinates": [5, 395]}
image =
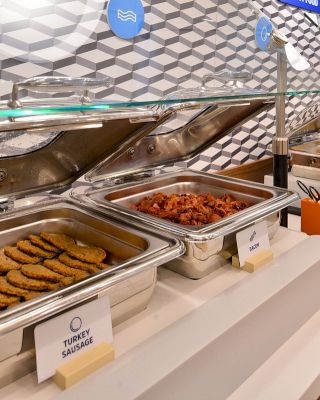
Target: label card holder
{"type": "Point", "coordinates": [62, 338]}
{"type": "Point", "coordinates": [251, 241]}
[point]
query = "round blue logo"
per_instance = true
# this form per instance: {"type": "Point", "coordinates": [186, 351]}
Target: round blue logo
{"type": "Point", "coordinates": [263, 33]}
{"type": "Point", "coordinates": [125, 17]}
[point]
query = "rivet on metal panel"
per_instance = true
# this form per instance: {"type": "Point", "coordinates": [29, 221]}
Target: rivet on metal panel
{"type": "Point", "coordinates": [3, 174]}
{"type": "Point", "coordinates": [130, 152]}
{"type": "Point", "coordinates": [151, 148]}
{"type": "Point", "coordinates": [313, 162]}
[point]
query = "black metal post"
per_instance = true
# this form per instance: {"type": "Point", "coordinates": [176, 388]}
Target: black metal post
{"type": "Point", "coordinates": [280, 179]}
{"type": "Point", "coordinates": [280, 142]}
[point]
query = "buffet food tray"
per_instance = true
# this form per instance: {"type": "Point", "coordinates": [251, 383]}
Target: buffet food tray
{"type": "Point", "coordinates": [203, 243]}
{"type": "Point", "coordinates": [304, 143]}
{"type": "Point", "coordinates": [129, 282]}
{"type": "Point", "coordinates": [305, 157]}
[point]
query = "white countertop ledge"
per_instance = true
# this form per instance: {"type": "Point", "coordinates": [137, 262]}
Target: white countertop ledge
{"type": "Point", "coordinates": [214, 349]}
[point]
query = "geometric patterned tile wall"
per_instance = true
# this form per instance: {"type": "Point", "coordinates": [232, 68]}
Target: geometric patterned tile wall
{"type": "Point", "coordinates": [181, 41]}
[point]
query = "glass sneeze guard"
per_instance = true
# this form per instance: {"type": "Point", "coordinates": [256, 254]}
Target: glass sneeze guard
{"type": "Point", "coordinates": [105, 105]}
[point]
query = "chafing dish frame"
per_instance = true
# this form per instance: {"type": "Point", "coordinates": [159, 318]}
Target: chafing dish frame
{"type": "Point", "coordinates": [203, 243]}
{"type": "Point", "coordinates": [50, 304]}
{"type": "Point", "coordinates": [129, 283]}
{"type": "Point", "coordinates": [304, 139]}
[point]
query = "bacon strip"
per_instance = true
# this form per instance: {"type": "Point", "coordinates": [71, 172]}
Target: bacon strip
{"type": "Point", "coordinates": [190, 209]}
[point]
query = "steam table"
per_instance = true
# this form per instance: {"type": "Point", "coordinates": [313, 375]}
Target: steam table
{"type": "Point", "coordinates": [224, 336]}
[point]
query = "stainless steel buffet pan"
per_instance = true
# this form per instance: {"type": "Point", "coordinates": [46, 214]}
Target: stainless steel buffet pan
{"type": "Point", "coordinates": [129, 283]}
{"type": "Point", "coordinates": [203, 243]}
{"type": "Point", "coordinates": [305, 156]}
{"type": "Point", "coordinates": [304, 142]}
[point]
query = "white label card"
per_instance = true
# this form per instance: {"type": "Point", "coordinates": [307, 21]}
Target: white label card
{"type": "Point", "coordinates": [252, 240]}
{"type": "Point", "coordinates": [66, 336]}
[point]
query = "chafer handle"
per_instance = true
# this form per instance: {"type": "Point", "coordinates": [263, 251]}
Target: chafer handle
{"type": "Point", "coordinates": [56, 84]}
{"type": "Point", "coordinates": [228, 78]}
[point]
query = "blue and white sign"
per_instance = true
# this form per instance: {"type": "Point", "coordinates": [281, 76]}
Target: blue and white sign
{"type": "Point", "coordinates": [125, 17]}
{"type": "Point", "coordinates": [311, 5]}
{"type": "Point", "coordinates": [263, 33]}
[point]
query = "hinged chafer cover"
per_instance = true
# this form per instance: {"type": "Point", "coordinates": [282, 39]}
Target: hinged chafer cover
{"type": "Point", "coordinates": [306, 125]}
{"type": "Point", "coordinates": [108, 140]}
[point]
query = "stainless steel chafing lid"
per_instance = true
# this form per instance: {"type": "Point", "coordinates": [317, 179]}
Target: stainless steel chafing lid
{"type": "Point", "coordinates": [305, 126]}
{"type": "Point", "coordinates": [76, 141]}
{"type": "Point", "coordinates": [117, 142]}
{"type": "Point", "coordinates": [232, 83]}
{"type": "Point", "coordinates": [193, 127]}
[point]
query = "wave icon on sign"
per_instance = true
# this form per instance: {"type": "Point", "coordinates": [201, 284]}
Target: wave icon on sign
{"type": "Point", "coordinates": [127, 16]}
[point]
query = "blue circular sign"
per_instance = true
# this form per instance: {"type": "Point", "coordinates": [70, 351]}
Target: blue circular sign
{"type": "Point", "coordinates": [263, 33]}
{"type": "Point", "coordinates": [125, 17]}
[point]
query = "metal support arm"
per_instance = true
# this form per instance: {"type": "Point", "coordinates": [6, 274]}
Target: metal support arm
{"type": "Point", "coordinates": [280, 142]}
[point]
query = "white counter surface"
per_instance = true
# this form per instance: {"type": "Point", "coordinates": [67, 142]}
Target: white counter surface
{"type": "Point", "coordinates": [293, 372]}
{"type": "Point", "coordinates": [179, 301]}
